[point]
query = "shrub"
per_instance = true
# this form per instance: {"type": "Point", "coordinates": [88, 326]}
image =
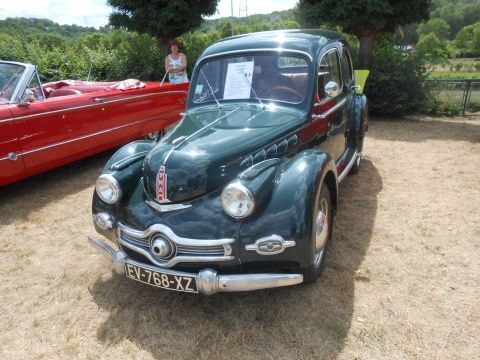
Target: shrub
{"type": "Point", "coordinates": [397, 82]}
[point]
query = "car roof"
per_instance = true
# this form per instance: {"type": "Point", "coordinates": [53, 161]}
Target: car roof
{"type": "Point", "coordinates": [307, 41]}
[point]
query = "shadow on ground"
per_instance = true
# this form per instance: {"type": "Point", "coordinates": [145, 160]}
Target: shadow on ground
{"type": "Point", "coordinates": [54, 185]}
{"type": "Point", "coordinates": [301, 322]}
{"type": "Point", "coordinates": [457, 129]}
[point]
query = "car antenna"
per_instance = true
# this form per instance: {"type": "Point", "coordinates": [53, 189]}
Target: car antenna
{"type": "Point", "coordinates": [90, 71]}
{"type": "Point", "coordinates": [163, 79]}
{"type": "Point", "coordinates": [211, 90]}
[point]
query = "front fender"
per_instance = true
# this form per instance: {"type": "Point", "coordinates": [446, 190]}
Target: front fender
{"type": "Point", "coordinates": [126, 167]}
{"type": "Point", "coordinates": [288, 210]}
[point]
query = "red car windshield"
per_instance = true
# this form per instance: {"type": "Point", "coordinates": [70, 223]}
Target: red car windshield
{"type": "Point", "coordinates": [10, 75]}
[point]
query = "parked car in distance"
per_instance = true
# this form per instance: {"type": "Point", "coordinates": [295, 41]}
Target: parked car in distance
{"type": "Point", "coordinates": [43, 126]}
{"type": "Point", "coordinates": [242, 194]}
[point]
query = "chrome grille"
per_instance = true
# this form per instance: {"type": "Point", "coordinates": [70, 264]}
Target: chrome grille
{"type": "Point", "coordinates": [201, 250]}
{"type": "Point", "coordinates": [187, 250]}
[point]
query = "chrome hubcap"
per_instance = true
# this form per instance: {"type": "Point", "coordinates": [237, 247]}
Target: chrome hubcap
{"type": "Point", "coordinates": [321, 232]}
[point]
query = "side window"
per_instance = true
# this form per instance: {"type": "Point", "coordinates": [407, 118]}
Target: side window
{"type": "Point", "coordinates": [347, 67]}
{"type": "Point", "coordinates": [328, 72]}
{"type": "Point", "coordinates": [34, 89]}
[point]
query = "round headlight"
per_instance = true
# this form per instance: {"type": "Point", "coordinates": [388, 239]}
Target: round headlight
{"type": "Point", "coordinates": [108, 189]}
{"type": "Point", "coordinates": [237, 200]}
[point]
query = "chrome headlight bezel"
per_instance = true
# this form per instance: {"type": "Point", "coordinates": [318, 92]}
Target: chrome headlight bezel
{"type": "Point", "coordinates": [113, 184]}
{"type": "Point", "coordinates": [239, 189]}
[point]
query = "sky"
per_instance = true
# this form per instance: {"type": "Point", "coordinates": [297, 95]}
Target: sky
{"type": "Point", "coordinates": [95, 12]}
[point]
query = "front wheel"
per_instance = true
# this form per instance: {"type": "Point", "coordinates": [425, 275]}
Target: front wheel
{"type": "Point", "coordinates": [154, 135]}
{"type": "Point", "coordinates": [321, 235]}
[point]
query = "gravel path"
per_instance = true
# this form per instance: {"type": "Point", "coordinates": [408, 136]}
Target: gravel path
{"type": "Point", "coordinates": [402, 277]}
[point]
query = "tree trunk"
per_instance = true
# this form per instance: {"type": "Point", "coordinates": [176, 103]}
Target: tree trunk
{"type": "Point", "coordinates": [163, 46]}
{"type": "Point", "coordinates": [367, 43]}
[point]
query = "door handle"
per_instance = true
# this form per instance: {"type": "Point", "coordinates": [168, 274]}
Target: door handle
{"type": "Point", "coordinates": [182, 101]}
{"type": "Point", "coordinates": [12, 156]}
{"type": "Point", "coordinates": [99, 100]}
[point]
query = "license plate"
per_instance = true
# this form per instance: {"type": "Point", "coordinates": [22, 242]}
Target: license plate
{"type": "Point", "coordinates": [160, 279]}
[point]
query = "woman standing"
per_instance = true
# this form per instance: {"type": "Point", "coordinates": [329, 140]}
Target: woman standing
{"type": "Point", "coordinates": [176, 65]}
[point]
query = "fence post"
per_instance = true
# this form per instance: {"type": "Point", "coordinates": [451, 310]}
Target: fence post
{"type": "Point", "coordinates": [466, 94]}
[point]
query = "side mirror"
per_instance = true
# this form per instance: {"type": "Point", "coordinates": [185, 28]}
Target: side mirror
{"type": "Point", "coordinates": [27, 98]}
{"type": "Point", "coordinates": [332, 89]}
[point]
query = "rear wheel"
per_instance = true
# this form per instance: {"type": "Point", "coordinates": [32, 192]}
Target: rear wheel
{"type": "Point", "coordinates": [321, 235]}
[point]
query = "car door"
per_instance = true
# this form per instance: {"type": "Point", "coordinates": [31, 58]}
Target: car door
{"type": "Point", "coordinates": [132, 113]}
{"type": "Point", "coordinates": [11, 163]}
{"type": "Point", "coordinates": [331, 108]}
{"type": "Point", "coordinates": [51, 131]}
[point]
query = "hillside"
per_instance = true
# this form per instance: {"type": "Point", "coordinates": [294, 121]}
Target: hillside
{"type": "Point", "coordinates": [29, 26]}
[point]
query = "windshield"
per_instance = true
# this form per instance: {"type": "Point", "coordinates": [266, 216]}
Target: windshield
{"type": "Point", "coordinates": [251, 77]}
{"type": "Point", "coordinates": [10, 75]}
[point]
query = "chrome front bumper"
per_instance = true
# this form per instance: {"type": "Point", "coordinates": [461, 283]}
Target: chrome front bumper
{"type": "Point", "coordinates": [208, 281]}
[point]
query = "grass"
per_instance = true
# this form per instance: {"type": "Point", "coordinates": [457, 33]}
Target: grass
{"type": "Point", "coordinates": [454, 75]}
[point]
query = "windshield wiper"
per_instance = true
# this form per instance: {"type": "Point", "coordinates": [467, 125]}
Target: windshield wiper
{"type": "Point", "coordinates": [210, 87]}
{"type": "Point", "coordinates": [254, 93]}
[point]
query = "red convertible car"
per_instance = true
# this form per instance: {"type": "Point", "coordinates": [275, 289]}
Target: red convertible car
{"type": "Point", "coordinates": [45, 126]}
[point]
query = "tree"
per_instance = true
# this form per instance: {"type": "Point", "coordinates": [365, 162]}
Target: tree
{"type": "Point", "coordinates": [367, 19]}
{"type": "Point", "coordinates": [432, 49]}
{"type": "Point", "coordinates": [164, 19]}
{"type": "Point", "coordinates": [467, 40]}
{"type": "Point", "coordinates": [437, 26]}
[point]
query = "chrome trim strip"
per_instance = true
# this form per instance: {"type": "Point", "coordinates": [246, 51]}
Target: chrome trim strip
{"type": "Point", "coordinates": [178, 240]}
{"type": "Point", "coordinates": [79, 138]}
{"type": "Point", "coordinates": [166, 207]}
{"type": "Point", "coordinates": [329, 111]}
{"type": "Point", "coordinates": [208, 281]}
{"type": "Point", "coordinates": [7, 120]}
{"type": "Point", "coordinates": [121, 164]}
{"type": "Point", "coordinates": [347, 168]}
{"type": "Point", "coordinates": [95, 105]}
{"type": "Point", "coordinates": [276, 50]}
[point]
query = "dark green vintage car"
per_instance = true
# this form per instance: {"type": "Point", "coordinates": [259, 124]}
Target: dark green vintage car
{"type": "Point", "coordinates": [242, 193]}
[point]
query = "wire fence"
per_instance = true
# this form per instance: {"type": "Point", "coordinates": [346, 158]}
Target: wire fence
{"type": "Point", "coordinates": [456, 96]}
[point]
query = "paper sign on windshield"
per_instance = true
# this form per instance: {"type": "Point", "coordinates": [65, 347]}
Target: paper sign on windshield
{"type": "Point", "coordinates": [239, 80]}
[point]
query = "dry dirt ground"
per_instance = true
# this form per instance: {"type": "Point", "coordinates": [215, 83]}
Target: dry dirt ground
{"type": "Point", "coordinates": [402, 278]}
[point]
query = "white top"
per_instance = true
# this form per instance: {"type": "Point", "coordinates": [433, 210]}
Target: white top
{"type": "Point", "coordinates": [178, 77]}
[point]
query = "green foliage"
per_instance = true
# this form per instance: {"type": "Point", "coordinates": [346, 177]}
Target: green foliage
{"type": "Point", "coordinates": [467, 40]}
{"type": "Point", "coordinates": [432, 50]}
{"type": "Point", "coordinates": [397, 82]}
{"type": "Point", "coordinates": [457, 13]}
{"type": "Point", "coordinates": [27, 27]}
{"type": "Point", "coordinates": [362, 16]}
{"type": "Point", "coordinates": [368, 19]}
{"type": "Point", "coordinates": [437, 26]}
{"type": "Point", "coordinates": [164, 19]}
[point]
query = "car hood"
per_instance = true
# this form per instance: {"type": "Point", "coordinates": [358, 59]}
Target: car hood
{"type": "Point", "coordinates": [211, 145]}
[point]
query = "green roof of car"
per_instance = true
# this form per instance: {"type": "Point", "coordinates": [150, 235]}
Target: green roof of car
{"type": "Point", "coordinates": [307, 41]}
